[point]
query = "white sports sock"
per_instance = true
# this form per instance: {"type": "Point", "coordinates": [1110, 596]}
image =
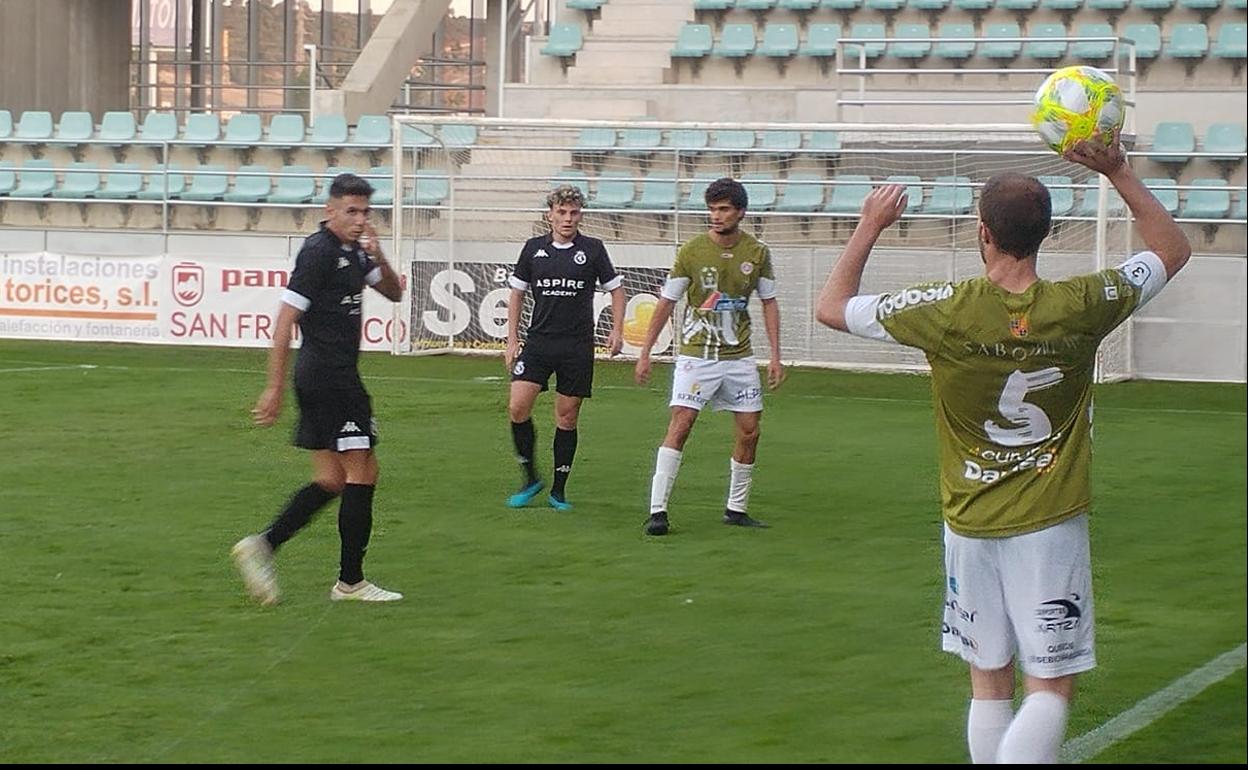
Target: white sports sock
{"type": "Point", "coordinates": [985, 725]}
{"type": "Point", "coordinates": [740, 478]}
{"type": "Point", "coordinates": [665, 468]}
{"type": "Point", "coordinates": [1035, 735]}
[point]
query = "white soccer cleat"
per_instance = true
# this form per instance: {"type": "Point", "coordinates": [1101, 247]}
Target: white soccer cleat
{"type": "Point", "coordinates": [367, 592]}
{"type": "Point", "coordinates": [254, 558]}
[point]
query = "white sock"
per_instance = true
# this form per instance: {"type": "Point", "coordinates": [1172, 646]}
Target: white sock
{"type": "Point", "coordinates": [665, 468]}
{"type": "Point", "coordinates": [1035, 735]}
{"type": "Point", "coordinates": [985, 725]}
{"type": "Point", "coordinates": [740, 478]}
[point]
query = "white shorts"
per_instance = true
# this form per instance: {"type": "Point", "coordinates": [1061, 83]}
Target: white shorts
{"type": "Point", "coordinates": [1029, 593]}
{"type": "Point", "coordinates": [732, 385]}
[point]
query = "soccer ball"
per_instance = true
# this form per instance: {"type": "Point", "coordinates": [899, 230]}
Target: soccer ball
{"type": "Point", "coordinates": [1073, 104]}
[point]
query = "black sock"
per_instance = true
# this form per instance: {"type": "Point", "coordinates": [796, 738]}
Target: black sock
{"type": "Point", "coordinates": [297, 513]}
{"type": "Point", "coordinates": [355, 523]}
{"type": "Point", "coordinates": [524, 437]}
{"type": "Point", "coordinates": [565, 450]}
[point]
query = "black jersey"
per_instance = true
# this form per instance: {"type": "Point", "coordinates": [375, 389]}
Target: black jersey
{"type": "Point", "coordinates": [562, 281]}
{"type": "Point", "coordinates": [328, 286]}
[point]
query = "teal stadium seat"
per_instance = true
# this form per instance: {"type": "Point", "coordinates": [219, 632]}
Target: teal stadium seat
{"type": "Point", "coordinates": [735, 42]}
{"type": "Point", "coordinates": [1046, 49]}
{"type": "Point", "coordinates": [1061, 194]}
{"type": "Point", "coordinates": [761, 190]}
{"type": "Point", "coordinates": [1156, 6]}
{"type": "Point", "coordinates": [688, 138]}
{"type": "Point", "coordinates": [803, 193]}
{"type": "Point", "coordinates": [8, 177]}
{"type": "Point", "coordinates": [458, 136]}
{"type": "Point", "coordinates": [972, 5]}
{"type": "Point", "coordinates": [596, 139]}
{"type": "Point", "coordinates": [781, 142]}
{"type": "Point", "coordinates": [162, 184]}
{"type": "Point", "coordinates": [885, 6]}
{"type": "Point", "coordinates": [951, 196]}
{"type": "Point", "coordinates": [202, 129]}
{"type": "Point", "coordinates": [1212, 201]}
{"type": "Point", "coordinates": [848, 193]}
{"type": "Point", "coordinates": [1108, 5]}
{"type": "Point", "coordinates": [658, 192]}
{"type": "Point", "coordinates": [615, 190]}
{"type": "Point", "coordinates": [1017, 5]}
{"type": "Point", "coordinates": [1173, 142]}
{"type": "Point", "coordinates": [1001, 50]}
{"type": "Point", "coordinates": [382, 180]}
{"type": "Point", "coordinates": [432, 188]}
{"type": "Point", "coordinates": [1188, 41]}
{"type": "Point", "coordinates": [1232, 42]}
{"type": "Point", "coordinates": [911, 50]}
{"type": "Point", "coordinates": [122, 182]}
{"type": "Point", "coordinates": [586, 5]}
{"type": "Point", "coordinates": [840, 5]}
{"type": "Point", "coordinates": [34, 180]}
{"type": "Point", "coordinates": [295, 185]}
{"type": "Point", "coordinates": [866, 30]}
{"type": "Point", "coordinates": [1241, 211]}
{"type": "Point", "coordinates": [798, 5]}
{"type": "Point", "coordinates": [696, 200]}
{"type": "Point", "coordinates": [780, 41]}
{"type": "Point", "coordinates": [34, 126]}
{"type": "Point", "coordinates": [1164, 191]}
{"type": "Point", "coordinates": [328, 178]}
{"type": "Point", "coordinates": [824, 141]}
{"type": "Point", "coordinates": [251, 185]}
{"type": "Point", "coordinates": [371, 132]}
{"type": "Point", "coordinates": [1114, 206]}
{"type": "Point", "coordinates": [81, 181]}
{"type": "Point", "coordinates": [1147, 39]}
{"type": "Point", "coordinates": [418, 136]}
{"type": "Point", "coordinates": [6, 124]}
{"type": "Point", "coordinates": [693, 42]}
{"type": "Point", "coordinates": [640, 141]}
{"type": "Point", "coordinates": [286, 130]}
{"type": "Point", "coordinates": [1091, 50]}
{"type": "Point", "coordinates": [1201, 5]}
{"type": "Point", "coordinates": [1061, 5]}
{"type": "Point", "coordinates": [821, 41]}
{"type": "Point", "coordinates": [955, 51]}
{"type": "Point", "coordinates": [75, 127]}
{"type": "Point", "coordinates": [159, 127]}
{"type": "Point", "coordinates": [1227, 140]}
{"type": "Point", "coordinates": [328, 131]}
{"type": "Point", "coordinates": [713, 5]}
{"type": "Point", "coordinates": [118, 128]}
{"type": "Point", "coordinates": [914, 190]}
{"type": "Point", "coordinates": [929, 5]}
{"type": "Point", "coordinates": [574, 177]}
{"type": "Point", "coordinates": [565, 40]}
{"type": "Point", "coordinates": [244, 129]}
{"type": "Point", "coordinates": [755, 5]}
{"type": "Point", "coordinates": [208, 183]}
{"type": "Point", "coordinates": [1239, 5]}
{"type": "Point", "coordinates": [733, 140]}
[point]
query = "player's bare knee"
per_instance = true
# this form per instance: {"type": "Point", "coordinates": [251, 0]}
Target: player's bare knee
{"type": "Point", "coordinates": [333, 484]}
{"type": "Point", "coordinates": [1061, 685]}
{"type": "Point", "coordinates": [518, 412]}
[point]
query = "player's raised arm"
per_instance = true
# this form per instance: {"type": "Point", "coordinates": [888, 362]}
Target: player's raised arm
{"type": "Point", "coordinates": [883, 206]}
{"type": "Point", "coordinates": [389, 285]}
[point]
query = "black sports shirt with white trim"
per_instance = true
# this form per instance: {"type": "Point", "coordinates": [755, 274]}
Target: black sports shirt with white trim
{"type": "Point", "coordinates": [562, 279]}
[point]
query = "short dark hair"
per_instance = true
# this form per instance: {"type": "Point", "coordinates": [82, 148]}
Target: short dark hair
{"type": "Point", "coordinates": [727, 189]}
{"type": "Point", "coordinates": [350, 184]}
{"type": "Point", "coordinates": [1018, 212]}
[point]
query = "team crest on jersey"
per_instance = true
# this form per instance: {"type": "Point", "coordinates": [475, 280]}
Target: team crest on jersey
{"type": "Point", "coordinates": [747, 268]}
{"type": "Point", "coordinates": [541, 253]}
{"type": "Point", "coordinates": [343, 262]}
{"type": "Point", "coordinates": [709, 277]}
{"type": "Point", "coordinates": [518, 369]}
{"type": "Point", "coordinates": [1020, 327]}
{"type": "Point", "coordinates": [579, 258]}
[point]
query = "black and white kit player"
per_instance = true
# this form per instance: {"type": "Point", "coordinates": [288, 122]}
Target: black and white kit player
{"type": "Point", "coordinates": [562, 270]}
{"type": "Point", "coordinates": [324, 297]}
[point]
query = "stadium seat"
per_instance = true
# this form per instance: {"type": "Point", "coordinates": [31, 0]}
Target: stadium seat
{"type": "Point", "coordinates": [298, 187]}
{"type": "Point", "coordinates": [371, 132]}
{"type": "Point", "coordinates": [955, 50]}
{"type": "Point", "coordinates": [1212, 202]}
{"type": "Point", "coordinates": [885, 6]}
{"type": "Point", "coordinates": [286, 130]}
{"type": "Point", "coordinates": [162, 184]}
{"type": "Point", "coordinates": [1163, 190]}
{"type": "Point", "coordinates": [688, 138]}
{"type": "Point", "coordinates": [735, 42]}
{"type": "Point", "coordinates": [327, 179]}
{"type": "Point", "coordinates": [208, 183]}
{"type": "Point", "coordinates": [418, 136]}
{"type": "Point", "coordinates": [713, 5]}
{"type": "Point", "coordinates": [159, 127]}
{"type": "Point", "coordinates": [382, 180]}
{"type": "Point", "coordinates": [1108, 5]}
{"type": "Point", "coordinates": [1239, 5]}
{"type": "Point", "coordinates": [733, 140]}
{"type": "Point", "coordinates": [81, 181]}
{"type": "Point", "coordinates": [658, 193]}
{"type": "Point", "coordinates": [251, 185]}
{"type": "Point", "coordinates": [1039, 48]}
{"type": "Point", "coordinates": [1241, 211]}
{"type": "Point", "coordinates": [821, 41]}
{"type": "Point", "coordinates": [915, 50]}
{"type": "Point", "coordinates": [1114, 205]}
{"type": "Point", "coordinates": [1188, 41]}
{"type": "Point", "coordinates": [1017, 5]}
{"type": "Point", "coordinates": [1232, 42]}
{"type": "Point", "coordinates": [1061, 194]}
{"type": "Point", "coordinates": [34, 126]}
{"type": "Point", "coordinates": [1226, 139]}
{"type": "Point", "coordinates": [781, 141]}
{"type": "Point", "coordinates": [640, 141]}
{"type": "Point", "coordinates": [586, 5]}
{"type": "Point", "coordinates": [1201, 5]}
{"type": "Point", "coordinates": [34, 179]}
{"type": "Point", "coordinates": [848, 193]}
{"type": "Point", "coordinates": [972, 5]}
{"type": "Point", "coordinates": [574, 177]}
{"type": "Point", "coordinates": [1173, 142]}
{"type": "Point", "coordinates": [75, 127]}
{"type": "Point", "coordinates": [458, 136]}
{"type": "Point", "coordinates": [202, 129]}
{"type": "Point", "coordinates": [1147, 38]}
{"type": "Point", "coordinates": [1061, 5]}
{"type": "Point", "coordinates": [615, 190]}
{"type": "Point", "coordinates": [123, 181]}
{"type": "Point", "coordinates": [696, 199]}
{"type": "Point", "coordinates": [118, 127]}
{"type": "Point", "coordinates": [328, 131]}
{"type": "Point", "coordinates": [803, 193]}
{"type": "Point", "coordinates": [244, 129]}
{"type": "Point", "coordinates": [951, 196]}
{"type": "Point", "coordinates": [6, 124]}
{"type": "Point", "coordinates": [596, 139]}
{"type": "Point", "coordinates": [1157, 6]}
{"type": "Point", "coordinates": [1001, 50]}
{"type": "Point", "coordinates": [565, 40]}
{"type": "Point", "coordinates": [1092, 50]}
{"type": "Point", "coordinates": [761, 189]}
{"type": "Point", "coordinates": [929, 5]}
{"type": "Point", "coordinates": [693, 42]}
{"type": "Point", "coordinates": [798, 5]}
{"type": "Point", "coordinates": [824, 141]}
{"type": "Point", "coordinates": [914, 190]}
{"type": "Point", "coordinates": [8, 178]}
{"type": "Point", "coordinates": [840, 5]}
{"type": "Point", "coordinates": [432, 188]}
{"type": "Point", "coordinates": [866, 30]}
{"type": "Point", "coordinates": [779, 41]}
{"type": "Point", "coordinates": [755, 5]}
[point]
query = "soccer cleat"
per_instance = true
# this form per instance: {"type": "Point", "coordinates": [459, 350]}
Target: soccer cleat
{"type": "Point", "coordinates": [736, 519]}
{"type": "Point", "coordinates": [559, 505]}
{"type": "Point", "coordinates": [365, 593]}
{"type": "Point", "coordinates": [526, 495]}
{"type": "Point", "coordinates": [657, 523]}
{"type": "Point", "coordinates": [254, 558]}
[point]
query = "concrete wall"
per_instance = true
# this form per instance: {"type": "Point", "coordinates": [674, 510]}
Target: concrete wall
{"type": "Point", "coordinates": [59, 55]}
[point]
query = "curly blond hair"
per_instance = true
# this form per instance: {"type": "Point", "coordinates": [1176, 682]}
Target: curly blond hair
{"type": "Point", "coordinates": [566, 194]}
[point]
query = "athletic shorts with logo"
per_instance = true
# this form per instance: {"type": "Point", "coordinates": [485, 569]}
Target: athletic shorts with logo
{"type": "Point", "coordinates": [726, 385]}
{"type": "Point", "coordinates": [338, 419]}
{"type": "Point", "coordinates": [1029, 593]}
{"type": "Point", "coordinates": [571, 362]}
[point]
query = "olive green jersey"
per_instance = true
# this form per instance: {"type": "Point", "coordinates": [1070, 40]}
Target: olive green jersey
{"type": "Point", "coordinates": [716, 284]}
{"type": "Point", "coordinates": [1012, 383]}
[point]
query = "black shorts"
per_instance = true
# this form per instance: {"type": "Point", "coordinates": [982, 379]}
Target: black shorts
{"type": "Point", "coordinates": [338, 419]}
{"type": "Point", "coordinates": [571, 362]}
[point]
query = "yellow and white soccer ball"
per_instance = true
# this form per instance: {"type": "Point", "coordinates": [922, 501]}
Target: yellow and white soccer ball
{"type": "Point", "coordinates": [1073, 104]}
